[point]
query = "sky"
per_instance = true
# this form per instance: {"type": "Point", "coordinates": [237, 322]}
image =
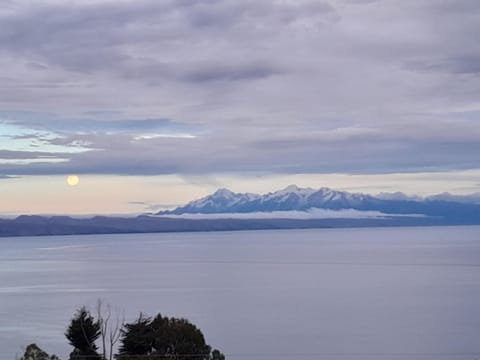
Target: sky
{"type": "Point", "coordinates": [153, 103]}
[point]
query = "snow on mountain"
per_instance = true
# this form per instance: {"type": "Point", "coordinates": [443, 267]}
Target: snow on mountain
{"type": "Point", "coordinates": [288, 199]}
{"type": "Point", "coordinates": [293, 198]}
{"type": "Point", "coordinates": [215, 203]}
{"type": "Point", "coordinates": [398, 196]}
{"type": "Point", "coordinates": [466, 199]}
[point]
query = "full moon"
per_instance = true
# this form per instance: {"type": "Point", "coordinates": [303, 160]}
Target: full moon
{"type": "Point", "coordinates": [73, 180]}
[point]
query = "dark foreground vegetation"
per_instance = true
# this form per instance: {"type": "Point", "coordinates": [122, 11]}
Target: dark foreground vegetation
{"type": "Point", "coordinates": [98, 337]}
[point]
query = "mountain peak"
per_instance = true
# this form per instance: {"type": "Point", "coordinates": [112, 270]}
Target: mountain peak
{"type": "Point", "coordinates": [295, 189]}
{"type": "Point", "coordinates": [223, 192]}
{"type": "Point", "coordinates": [292, 197]}
{"type": "Point", "coordinates": [295, 198]}
{"type": "Point", "coordinates": [292, 188]}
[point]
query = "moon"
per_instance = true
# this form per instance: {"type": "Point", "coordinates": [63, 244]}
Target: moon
{"type": "Point", "coordinates": [73, 180]}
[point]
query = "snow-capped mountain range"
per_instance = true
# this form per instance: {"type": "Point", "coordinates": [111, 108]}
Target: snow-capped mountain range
{"type": "Point", "coordinates": [290, 208]}
{"type": "Point", "coordinates": [293, 198]}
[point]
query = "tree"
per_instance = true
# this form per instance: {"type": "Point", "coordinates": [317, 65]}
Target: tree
{"type": "Point", "coordinates": [165, 337]}
{"type": "Point", "coordinates": [33, 352]}
{"type": "Point", "coordinates": [146, 338]}
{"type": "Point", "coordinates": [137, 337]}
{"type": "Point", "coordinates": [82, 333]}
{"type": "Point", "coordinates": [109, 329]}
{"type": "Point", "coordinates": [217, 355]}
{"type": "Point", "coordinates": [178, 337]}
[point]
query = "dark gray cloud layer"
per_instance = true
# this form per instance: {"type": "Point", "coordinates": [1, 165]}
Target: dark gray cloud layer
{"type": "Point", "coordinates": [153, 87]}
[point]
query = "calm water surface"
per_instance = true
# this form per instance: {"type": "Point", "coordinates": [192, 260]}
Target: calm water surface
{"type": "Point", "coordinates": [396, 293]}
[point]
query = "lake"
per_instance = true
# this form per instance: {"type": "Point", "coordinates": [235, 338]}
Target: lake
{"type": "Point", "coordinates": [378, 293]}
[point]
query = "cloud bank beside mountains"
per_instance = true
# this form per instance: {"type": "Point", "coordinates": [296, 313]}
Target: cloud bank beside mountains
{"type": "Point", "coordinates": [299, 215]}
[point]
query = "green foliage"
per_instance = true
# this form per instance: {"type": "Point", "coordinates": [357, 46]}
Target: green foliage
{"type": "Point", "coordinates": [82, 333]}
{"type": "Point", "coordinates": [178, 337]}
{"type": "Point", "coordinates": [162, 337]}
{"type": "Point", "coordinates": [217, 355]}
{"type": "Point", "coordinates": [137, 337]}
{"type": "Point", "coordinates": [151, 339]}
{"type": "Point", "coordinates": [33, 352]}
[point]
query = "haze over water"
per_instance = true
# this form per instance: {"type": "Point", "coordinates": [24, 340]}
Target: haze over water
{"type": "Point", "coordinates": [392, 293]}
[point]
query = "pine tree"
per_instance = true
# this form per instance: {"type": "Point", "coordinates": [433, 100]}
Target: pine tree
{"type": "Point", "coordinates": [137, 337]}
{"type": "Point", "coordinates": [33, 352]}
{"type": "Point", "coordinates": [164, 336]}
{"type": "Point", "coordinates": [82, 333]}
{"type": "Point", "coordinates": [217, 355]}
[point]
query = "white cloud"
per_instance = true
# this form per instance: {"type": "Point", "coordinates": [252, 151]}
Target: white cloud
{"type": "Point", "coordinates": [277, 86]}
{"type": "Point", "coordinates": [309, 214]}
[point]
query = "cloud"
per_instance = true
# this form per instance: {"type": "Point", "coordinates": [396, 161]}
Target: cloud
{"type": "Point", "coordinates": [301, 215]}
{"type": "Point", "coordinates": [201, 87]}
{"type": "Point", "coordinates": [462, 64]}
{"type": "Point", "coordinates": [166, 147]}
{"type": "Point", "coordinates": [221, 72]}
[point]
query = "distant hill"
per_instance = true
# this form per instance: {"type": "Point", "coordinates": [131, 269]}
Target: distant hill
{"type": "Point", "coordinates": [43, 226]}
{"type": "Point", "coordinates": [290, 208]}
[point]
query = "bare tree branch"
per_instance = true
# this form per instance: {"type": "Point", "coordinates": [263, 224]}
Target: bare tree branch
{"type": "Point", "coordinates": [110, 332]}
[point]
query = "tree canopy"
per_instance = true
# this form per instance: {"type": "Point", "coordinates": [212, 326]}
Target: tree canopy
{"type": "Point", "coordinates": [150, 338]}
{"type": "Point", "coordinates": [165, 336]}
{"type": "Point", "coordinates": [33, 352]}
{"type": "Point", "coordinates": [82, 333]}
